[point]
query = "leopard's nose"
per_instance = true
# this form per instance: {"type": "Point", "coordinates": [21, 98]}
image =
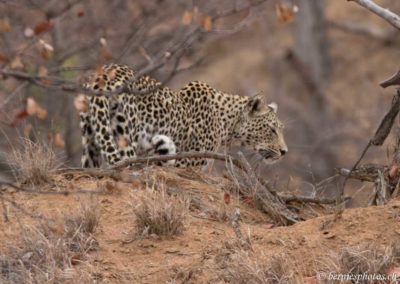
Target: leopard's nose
{"type": "Point", "coordinates": [283, 152]}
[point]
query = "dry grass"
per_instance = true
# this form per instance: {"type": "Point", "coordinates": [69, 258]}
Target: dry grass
{"type": "Point", "coordinates": [161, 214]}
{"type": "Point", "coordinates": [241, 267]}
{"type": "Point", "coordinates": [79, 229]}
{"type": "Point", "coordinates": [47, 256]}
{"type": "Point", "coordinates": [32, 162]}
{"type": "Point", "coordinates": [364, 259]}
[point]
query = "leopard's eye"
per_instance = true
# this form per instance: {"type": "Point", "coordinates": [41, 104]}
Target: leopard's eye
{"type": "Point", "coordinates": [274, 131]}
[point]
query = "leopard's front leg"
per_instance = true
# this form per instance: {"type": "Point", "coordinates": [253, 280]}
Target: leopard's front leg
{"type": "Point", "coordinates": [101, 121]}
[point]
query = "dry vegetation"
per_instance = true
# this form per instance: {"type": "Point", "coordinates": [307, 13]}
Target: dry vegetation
{"type": "Point", "coordinates": [49, 254]}
{"type": "Point", "coordinates": [160, 214]}
{"type": "Point", "coordinates": [32, 162]}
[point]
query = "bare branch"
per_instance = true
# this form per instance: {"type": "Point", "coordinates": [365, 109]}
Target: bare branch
{"type": "Point", "coordinates": [386, 14]}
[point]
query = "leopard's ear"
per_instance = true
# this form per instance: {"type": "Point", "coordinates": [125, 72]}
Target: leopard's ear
{"type": "Point", "coordinates": [255, 105]}
{"type": "Point", "coordinates": [273, 107]}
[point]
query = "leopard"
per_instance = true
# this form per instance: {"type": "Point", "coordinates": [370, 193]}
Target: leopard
{"type": "Point", "coordinates": [143, 113]}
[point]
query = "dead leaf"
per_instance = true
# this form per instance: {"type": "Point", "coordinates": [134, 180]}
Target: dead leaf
{"type": "Point", "coordinates": [206, 23]}
{"type": "Point", "coordinates": [33, 108]}
{"type": "Point", "coordinates": [81, 103]}
{"type": "Point", "coordinates": [187, 17]}
{"type": "Point", "coordinates": [42, 27]}
{"type": "Point", "coordinates": [393, 171]}
{"type": "Point", "coordinates": [19, 116]}
{"type": "Point", "coordinates": [227, 198]}
{"type": "Point", "coordinates": [59, 141]}
{"type": "Point", "coordinates": [45, 49]}
{"type": "Point", "coordinates": [3, 58]}
{"type": "Point", "coordinates": [43, 72]}
{"type": "Point", "coordinates": [5, 25]}
{"type": "Point", "coordinates": [103, 41]}
{"type": "Point", "coordinates": [17, 63]}
{"type": "Point", "coordinates": [76, 259]}
{"type": "Point", "coordinates": [80, 14]}
{"type": "Point", "coordinates": [285, 12]}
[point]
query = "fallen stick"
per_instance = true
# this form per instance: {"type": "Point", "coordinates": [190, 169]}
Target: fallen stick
{"type": "Point", "coordinates": [269, 201]}
{"type": "Point", "coordinates": [316, 200]}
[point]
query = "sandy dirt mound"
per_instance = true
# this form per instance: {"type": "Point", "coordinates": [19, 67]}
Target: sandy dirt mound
{"type": "Point", "coordinates": [205, 252]}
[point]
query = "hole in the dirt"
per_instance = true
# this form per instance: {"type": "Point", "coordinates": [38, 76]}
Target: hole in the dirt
{"type": "Point", "coordinates": [326, 233]}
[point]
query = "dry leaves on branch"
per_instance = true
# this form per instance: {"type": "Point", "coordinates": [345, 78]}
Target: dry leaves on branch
{"type": "Point", "coordinates": [45, 49]}
{"type": "Point", "coordinates": [285, 12]}
{"type": "Point", "coordinates": [191, 16]}
{"type": "Point", "coordinates": [105, 53]}
{"type": "Point", "coordinates": [34, 109]}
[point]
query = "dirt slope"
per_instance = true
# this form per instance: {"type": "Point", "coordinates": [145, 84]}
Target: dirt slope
{"type": "Point", "coordinates": [194, 256]}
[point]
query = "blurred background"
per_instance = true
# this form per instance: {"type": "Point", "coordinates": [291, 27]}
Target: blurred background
{"type": "Point", "coordinates": [321, 61]}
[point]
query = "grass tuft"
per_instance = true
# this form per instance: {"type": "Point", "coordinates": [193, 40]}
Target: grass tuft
{"type": "Point", "coordinates": [32, 162]}
{"type": "Point", "coordinates": [243, 268]}
{"type": "Point", "coordinates": [161, 214]}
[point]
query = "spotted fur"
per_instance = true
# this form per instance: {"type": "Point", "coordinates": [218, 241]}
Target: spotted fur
{"type": "Point", "coordinates": [196, 118]}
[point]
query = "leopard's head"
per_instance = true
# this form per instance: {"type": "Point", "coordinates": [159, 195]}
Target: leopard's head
{"type": "Point", "coordinates": [260, 129]}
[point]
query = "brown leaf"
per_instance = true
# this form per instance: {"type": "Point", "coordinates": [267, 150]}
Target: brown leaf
{"type": "Point", "coordinates": [206, 23]}
{"type": "Point", "coordinates": [33, 108]}
{"type": "Point", "coordinates": [4, 58]}
{"type": "Point", "coordinates": [227, 198]}
{"type": "Point", "coordinates": [19, 116]}
{"type": "Point", "coordinates": [43, 72]}
{"type": "Point", "coordinates": [42, 27]}
{"type": "Point", "coordinates": [187, 17]}
{"type": "Point", "coordinates": [58, 140]}
{"type": "Point", "coordinates": [393, 171]}
{"type": "Point", "coordinates": [81, 103]}
{"type": "Point", "coordinates": [5, 25]}
{"type": "Point", "coordinates": [285, 12]}
{"type": "Point", "coordinates": [45, 49]}
{"type": "Point", "coordinates": [76, 259]}
{"type": "Point", "coordinates": [80, 14]}
{"type": "Point", "coordinates": [17, 63]}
